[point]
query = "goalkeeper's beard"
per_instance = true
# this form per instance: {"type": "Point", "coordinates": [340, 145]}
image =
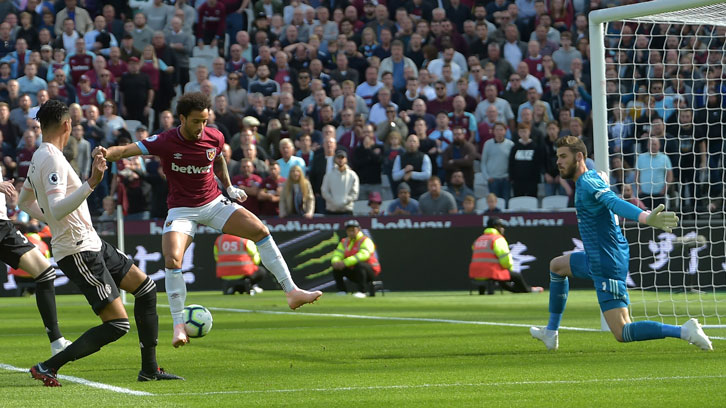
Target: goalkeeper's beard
{"type": "Point", "coordinates": [568, 173]}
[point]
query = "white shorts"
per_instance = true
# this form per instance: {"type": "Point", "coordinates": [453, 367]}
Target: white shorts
{"type": "Point", "coordinates": [213, 214]}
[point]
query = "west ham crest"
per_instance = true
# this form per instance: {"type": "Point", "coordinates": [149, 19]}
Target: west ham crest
{"type": "Point", "coordinates": [211, 153]}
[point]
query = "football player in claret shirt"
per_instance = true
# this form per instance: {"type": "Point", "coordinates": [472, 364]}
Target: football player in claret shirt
{"type": "Point", "coordinates": [191, 155]}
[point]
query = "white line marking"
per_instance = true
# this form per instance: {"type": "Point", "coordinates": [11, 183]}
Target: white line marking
{"type": "Point", "coordinates": [406, 319]}
{"type": "Point", "coordinates": [419, 386]}
{"type": "Point", "coordinates": [85, 382]}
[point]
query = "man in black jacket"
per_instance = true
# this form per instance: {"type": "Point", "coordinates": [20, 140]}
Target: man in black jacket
{"type": "Point", "coordinates": [368, 162]}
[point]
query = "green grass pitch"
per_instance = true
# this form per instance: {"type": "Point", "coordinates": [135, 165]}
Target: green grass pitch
{"type": "Point", "coordinates": [442, 349]}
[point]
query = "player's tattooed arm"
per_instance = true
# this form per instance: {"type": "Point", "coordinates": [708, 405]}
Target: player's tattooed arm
{"type": "Point", "coordinates": [220, 170]}
{"type": "Point", "coordinates": [116, 153]}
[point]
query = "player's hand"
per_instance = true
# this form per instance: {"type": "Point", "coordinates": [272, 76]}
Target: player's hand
{"type": "Point", "coordinates": [7, 187]}
{"type": "Point", "coordinates": [236, 193]}
{"type": "Point", "coordinates": [97, 169]}
{"type": "Point", "coordinates": [664, 220]}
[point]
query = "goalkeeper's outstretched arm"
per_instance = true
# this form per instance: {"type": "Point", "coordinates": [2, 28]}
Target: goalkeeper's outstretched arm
{"type": "Point", "coordinates": [665, 220]}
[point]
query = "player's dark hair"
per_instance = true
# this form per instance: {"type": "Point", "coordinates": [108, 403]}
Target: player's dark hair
{"type": "Point", "coordinates": [573, 143]}
{"type": "Point", "coordinates": [51, 114]}
{"type": "Point", "coordinates": [194, 101]}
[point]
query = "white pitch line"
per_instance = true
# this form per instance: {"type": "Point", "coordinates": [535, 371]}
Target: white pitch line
{"type": "Point", "coordinates": [85, 382]}
{"type": "Point", "coordinates": [419, 386]}
{"type": "Point", "coordinates": [405, 319]}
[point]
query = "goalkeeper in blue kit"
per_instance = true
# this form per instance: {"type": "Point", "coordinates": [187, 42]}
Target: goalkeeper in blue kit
{"type": "Point", "coordinates": [606, 256]}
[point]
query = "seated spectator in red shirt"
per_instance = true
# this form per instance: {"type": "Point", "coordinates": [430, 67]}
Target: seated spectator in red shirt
{"type": "Point", "coordinates": [250, 182]}
{"type": "Point", "coordinates": [269, 194]}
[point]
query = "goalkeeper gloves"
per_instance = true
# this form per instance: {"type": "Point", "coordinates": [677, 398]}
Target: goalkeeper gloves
{"type": "Point", "coordinates": [664, 220]}
{"type": "Point", "coordinates": [236, 193]}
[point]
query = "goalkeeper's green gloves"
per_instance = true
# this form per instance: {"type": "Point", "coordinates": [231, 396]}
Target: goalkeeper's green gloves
{"type": "Point", "coordinates": [665, 220]}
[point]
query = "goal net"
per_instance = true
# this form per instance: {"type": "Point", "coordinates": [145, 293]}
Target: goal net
{"type": "Point", "coordinates": [659, 92]}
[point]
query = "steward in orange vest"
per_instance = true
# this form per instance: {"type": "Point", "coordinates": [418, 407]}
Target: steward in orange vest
{"type": "Point", "coordinates": [238, 264]}
{"type": "Point", "coordinates": [491, 262]}
{"type": "Point", "coordinates": [355, 259]}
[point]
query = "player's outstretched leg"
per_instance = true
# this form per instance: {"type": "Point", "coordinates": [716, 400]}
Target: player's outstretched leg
{"type": "Point", "coordinates": [625, 331]}
{"type": "Point", "coordinates": [275, 263]}
{"type": "Point", "coordinates": [147, 323]}
{"type": "Point", "coordinates": [112, 329]}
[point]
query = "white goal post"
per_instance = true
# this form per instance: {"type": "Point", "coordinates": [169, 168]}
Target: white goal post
{"type": "Point", "coordinates": [681, 275]}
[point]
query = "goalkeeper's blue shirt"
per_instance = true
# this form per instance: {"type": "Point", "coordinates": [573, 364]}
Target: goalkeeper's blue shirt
{"type": "Point", "coordinates": [606, 248]}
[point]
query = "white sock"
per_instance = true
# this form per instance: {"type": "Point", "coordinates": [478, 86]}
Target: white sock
{"type": "Point", "coordinates": [275, 263]}
{"type": "Point", "coordinates": [176, 292]}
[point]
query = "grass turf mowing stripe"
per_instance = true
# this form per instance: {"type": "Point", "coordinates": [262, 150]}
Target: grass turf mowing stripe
{"type": "Point", "coordinates": [406, 319]}
{"type": "Point", "coordinates": [85, 382]}
{"type": "Point", "coordinates": [418, 386]}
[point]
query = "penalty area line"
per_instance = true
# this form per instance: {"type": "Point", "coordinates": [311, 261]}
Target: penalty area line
{"type": "Point", "coordinates": [83, 381]}
{"type": "Point", "coordinates": [423, 386]}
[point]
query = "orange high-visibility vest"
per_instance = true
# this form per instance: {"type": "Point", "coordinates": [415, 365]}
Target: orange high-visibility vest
{"type": "Point", "coordinates": [484, 262]}
{"type": "Point", "coordinates": [372, 260]}
{"type": "Point", "coordinates": [232, 257]}
{"type": "Point", "coordinates": [40, 244]}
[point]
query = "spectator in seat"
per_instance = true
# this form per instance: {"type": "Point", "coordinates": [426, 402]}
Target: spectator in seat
{"type": "Point", "coordinates": [322, 163]}
{"type": "Point", "coordinates": [460, 156]}
{"type": "Point", "coordinates": [468, 205]}
{"type": "Point", "coordinates": [296, 197]}
{"type": "Point", "coordinates": [287, 159]}
{"type": "Point", "coordinates": [495, 162]}
{"type": "Point", "coordinates": [404, 204]}
{"type": "Point", "coordinates": [654, 173]}
{"type": "Point", "coordinates": [458, 189]}
{"type": "Point", "coordinates": [340, 186]}
{"type": "Point", "coordinates": [250, 182]}
{"type": "Point", "coordinates": [436, 201]}
{"type": "Point", "coordinates": [355, 259]}
{"type": "Point", "coordinates": [413, 167]}
{"type": "Point", "coordinates": [526, 163]}
{"type": "Point", "coordinates": [368, 163]}
{"type": "Point", "coordinates": [504, 109]}
{"type": "Point", "coordinates": [631, 198]}
{"type": "Point", "coordinates": [552, 179]}
{"type": "Point", "coordinates": [374, 203]}
{"type": "Point", "coordinates": [269, 194]}
{"type": "Point", "coordinates": [137, 95]}
{"type": "Point", "coordinates": [492, 208]}
{"type": "Point", "coordinates": [491, 262]}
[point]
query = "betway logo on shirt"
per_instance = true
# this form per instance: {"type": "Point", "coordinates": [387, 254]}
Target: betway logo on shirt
{"type": "Point", "coordinates": [191, 169]}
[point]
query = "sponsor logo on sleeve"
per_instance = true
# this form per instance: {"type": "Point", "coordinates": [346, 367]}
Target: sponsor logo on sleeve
{"type": "Point", "coordinates": [53, 178]}
{"type": "Point", "coordinates": [151, 138]}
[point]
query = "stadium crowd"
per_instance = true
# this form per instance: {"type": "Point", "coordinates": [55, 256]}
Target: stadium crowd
{"type": "Point", "coordinates": [437, 104]}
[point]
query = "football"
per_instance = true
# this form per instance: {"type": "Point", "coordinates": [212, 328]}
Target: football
{"type": "Point", "coordinates": [197, 320]}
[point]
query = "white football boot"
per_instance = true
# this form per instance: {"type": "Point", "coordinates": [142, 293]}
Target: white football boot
{"type": "Point", "coordinates": [692, 332]}
{"type": "Point", "coordinates": [549, 337]}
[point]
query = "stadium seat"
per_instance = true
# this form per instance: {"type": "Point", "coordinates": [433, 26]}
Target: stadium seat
{"type": "Point", "coordinates": [555, 202]}
{"type": "Point", "coordinates": [523, 203]}
{"type": "Point", "coordinates": [384, 206]}
{"type": "Point", "coordinates": [131, 126]}
{"type": "Point", "coordinates": [360, 207]}
{"type": "Point", "coordinates": [481, 204]}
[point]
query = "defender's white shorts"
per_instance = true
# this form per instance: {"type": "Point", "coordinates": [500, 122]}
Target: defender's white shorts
{"type": "Point", "coordinates": [213, 214]}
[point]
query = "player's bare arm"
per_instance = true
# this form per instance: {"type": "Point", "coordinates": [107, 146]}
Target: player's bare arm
{"type": "Point", "coordinates": [220, 170]}
{"type": "Point", "coordinates": [116, 153]}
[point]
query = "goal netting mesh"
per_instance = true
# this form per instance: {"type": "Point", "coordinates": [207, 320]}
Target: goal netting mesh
{"type": "Point", "coordinates": [666, 94]}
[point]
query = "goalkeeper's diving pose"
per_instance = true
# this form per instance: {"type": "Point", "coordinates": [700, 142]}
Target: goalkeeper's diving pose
{"type": "Point", "coordinates": [606, 256]}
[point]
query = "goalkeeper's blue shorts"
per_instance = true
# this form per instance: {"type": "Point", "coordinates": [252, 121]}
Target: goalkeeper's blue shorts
{"type": "Point", "coordinates": [611, 293]}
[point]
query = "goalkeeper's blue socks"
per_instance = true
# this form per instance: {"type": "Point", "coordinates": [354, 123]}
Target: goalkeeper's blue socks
{"type": "Point", "coordinates": [647, 330]}
{"type": "Point", "coordinates": [559, 289]}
